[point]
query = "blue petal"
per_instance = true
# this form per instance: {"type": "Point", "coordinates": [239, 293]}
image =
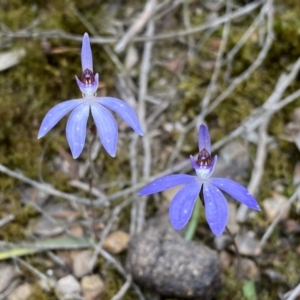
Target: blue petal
{"type": "Point", "coordinates": [107, 128]}
{"type": "Point", "coordinates": [216, 208]}
{"type": "Point", "coordinates": [204, 138]}
{"type": "Point", "coordinates": [166, 182]}
{"type": "Point", "coordinates": [123, 110]}
{"type": "Point", "coordinates": [76, 128]}
{"type": "Point", "coordinates": [182, 205]}
{"type": "Point", "coordinates": [237, 191]}
{"type": "Point", "coordinates": [55, 114]}
{"type": "Point", "coordinates": [194, 163]}
{"type": "Point", "coordinates": [86, 53]}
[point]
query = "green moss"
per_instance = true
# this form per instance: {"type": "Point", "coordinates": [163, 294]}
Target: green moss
{"type": "Point", "coordinates": [39, 294]}
{"type": "Point", "coordinates": [287, 263]}
{"type": "Point", "coordinates": [113, 281]}
{"type": "Point", "coordinates": [15, 230]}
{"type": "Point", "coordinates": [231, 288]}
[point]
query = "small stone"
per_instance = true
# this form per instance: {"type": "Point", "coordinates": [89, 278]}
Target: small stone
{"type": "Point", "coordinates": [7, 274]}
{"type": "Point", "coordinates": [76, 230]}
{"type": "Point", "coordinates": [248, 244]}
{"type": "Point", "coordinates": [296, 180]}
{"type": "Point", "coordinates": [248, 269]}
{"type": "Point", "coordinates": [68, 288]}
{"type": "Point", "coordinates": [233, 161]}
{"type": "Point", "coordinates": [131, 57]}
{"type": "Point", "coordinates": [45, 227]}
{"type": "Point", "coordinates": [222, 242]}
{"type": "Point", "coordinates": [10, 58]}
{"type": "Point", "coordinates": [273, 206]}
{"type": "Point", "coordinates": [275, 276]}
{"type": "Point", "coordinates": [293, 128]}
{"type": "Point", "coordinates": [162, 260]}
{"type": "Point", "coordinates": [81, 263]}
{"type": "Point", "coordinates": [22, 292]}
{"type": "Point", "coordinates": [225, 260]}
{"type": "Point", "coordinates": [292, 226]}
{"type": "Point", "coordinates": [170, 193]}
{"type": "Point", "coordinates": [232, 221]}
{"type": "Point", "coordinates": [116, 242]}
{"type": "Point", "coordinates": [92, 287]}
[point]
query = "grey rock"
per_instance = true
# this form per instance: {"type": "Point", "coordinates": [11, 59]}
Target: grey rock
{"type": "Point", "coordinates": [162, 260]}
{"type": "Point", "coordinates": [68, 288]}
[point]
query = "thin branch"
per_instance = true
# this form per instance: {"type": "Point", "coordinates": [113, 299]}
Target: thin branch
{"type": "Point", "coordinates": [123, 289]}
{"type": "Point", "coordinates": [187, 24]}
{"type": "Point", "coordinates": [137, 26]}
{"type": "Point", "coordinates": [271, 228]}
{"type": "Point", "coordinates": [35, 271]}
{"type": "Point", "coordinates": [139, 211]}
{"type": "Point", "coordinates": [120, 269]}
{"type": "Point", "coordinates": [6, 220]}
{"type": "Point", "coordinates": [47, 188]}
{"type": "Point", "coordinates": [54, 33]}
{"type": "Point", "coordinates": [219, 62]}
{"type": "Point", "coordinates": [268, 9]}
{"type": "Point", "coordinates": [293, 294]}
{"type": "Point", "coordinates": [134, 180]}
{"type": "Point", "coordinates": [117, 210]}
{"type": "Point", "coordinates": [231, 54]}
{"type": "Point", "coordinates": [259, 167]}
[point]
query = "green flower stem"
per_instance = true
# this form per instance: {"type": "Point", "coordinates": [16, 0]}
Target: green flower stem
{"type": "Point", "coordinates": [193, 222]}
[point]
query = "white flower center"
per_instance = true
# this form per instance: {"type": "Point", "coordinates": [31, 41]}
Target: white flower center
{"type": "Point", "coordinates": [203, 173]}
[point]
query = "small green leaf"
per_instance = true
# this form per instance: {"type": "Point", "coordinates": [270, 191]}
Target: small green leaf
{"type": "Point", "coordinates": [249, 290]}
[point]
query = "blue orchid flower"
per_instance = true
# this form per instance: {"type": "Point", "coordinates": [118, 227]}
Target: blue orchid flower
{"type": "Point", "coordinates": [202, 185]}
{"type": "Point", "coordinates": [104, 120]}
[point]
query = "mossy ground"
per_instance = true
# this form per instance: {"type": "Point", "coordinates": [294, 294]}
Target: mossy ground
{"type": "Point", "coordinates": [45, 77]}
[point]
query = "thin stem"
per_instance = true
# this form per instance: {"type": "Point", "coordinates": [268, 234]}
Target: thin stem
{"type": "Point", "coordinates": [191, 230]}
{"type": "Point", "coordinates": [236, 251]}
{"type": "Point", "coordinates": [91, 181]}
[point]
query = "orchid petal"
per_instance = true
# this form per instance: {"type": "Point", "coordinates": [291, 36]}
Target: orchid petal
{"type": "Point", "coordinates": [76, 128]}
{"type": "Point", "coordinates": [237, 191]}
{"type": "Point", "coordinates": [216, 208]}
{"type": "Point", "coordinates": [86, 53]}
{"type": "Point", "coordinates": [194, 163]}
{"type": "Point", "coordinates": [165, 183]}
{"type": "Point", "coordinates": [123, 110]}
{"type": "Point", "coordinates": [182, 205]}
{"type": "Point", "coordinates": [54, 115]}
{"type": "Point", "coordinates": [88, 89]}
{"type": "Point", "coordinates": [204, 138]}
{"type": "Point", "coordinates": [107, 128]}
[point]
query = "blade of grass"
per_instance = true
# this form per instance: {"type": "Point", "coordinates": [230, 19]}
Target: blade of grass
{"type": "Point", "coordinates": [49, 244]}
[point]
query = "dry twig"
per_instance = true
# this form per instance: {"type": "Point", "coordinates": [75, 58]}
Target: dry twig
{"type": "Point", "coordinates": [275, 222]}
{"type": "Point", "coordinates": [55, 33]}
{"type": "Point", "coordinates": [137, 26]}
